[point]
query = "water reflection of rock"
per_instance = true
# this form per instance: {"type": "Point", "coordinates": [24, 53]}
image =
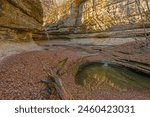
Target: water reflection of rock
{"type": "Point", "coordinates": [106, 75]}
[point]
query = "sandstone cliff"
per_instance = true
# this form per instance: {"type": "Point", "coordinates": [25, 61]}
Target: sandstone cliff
{"type": "Point", "coordinates": [20, 18]}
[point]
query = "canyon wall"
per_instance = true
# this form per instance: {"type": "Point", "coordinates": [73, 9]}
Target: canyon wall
{"type": "Point", "coordinates": [99, 15]}
{"type": "Point", "coordinates": [20, 18]}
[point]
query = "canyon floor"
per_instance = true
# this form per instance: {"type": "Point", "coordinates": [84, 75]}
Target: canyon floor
{"type": "Point", "coordinates": [24, 65]}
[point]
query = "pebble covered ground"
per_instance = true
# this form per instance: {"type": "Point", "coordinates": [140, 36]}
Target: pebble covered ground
{"type": "Point", "coordinates": [20, 75]}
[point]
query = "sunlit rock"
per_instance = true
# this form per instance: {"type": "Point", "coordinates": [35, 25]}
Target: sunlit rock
{"type": "Point", "coordinates": [18, 19]}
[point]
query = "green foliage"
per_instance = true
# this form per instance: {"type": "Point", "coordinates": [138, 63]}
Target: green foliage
{"type": "Point", "coordinates": [63, 62]}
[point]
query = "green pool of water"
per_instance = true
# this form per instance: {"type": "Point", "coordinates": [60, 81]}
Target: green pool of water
{"type": "Point", "coordinates": [98, 75]}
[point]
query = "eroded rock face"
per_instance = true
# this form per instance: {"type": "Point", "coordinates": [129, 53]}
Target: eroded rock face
{"type": "Point", "coordinates": [20, 18]}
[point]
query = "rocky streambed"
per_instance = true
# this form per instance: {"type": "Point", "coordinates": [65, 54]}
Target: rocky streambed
{"type": "Point", "coordinates": [21, 72]}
